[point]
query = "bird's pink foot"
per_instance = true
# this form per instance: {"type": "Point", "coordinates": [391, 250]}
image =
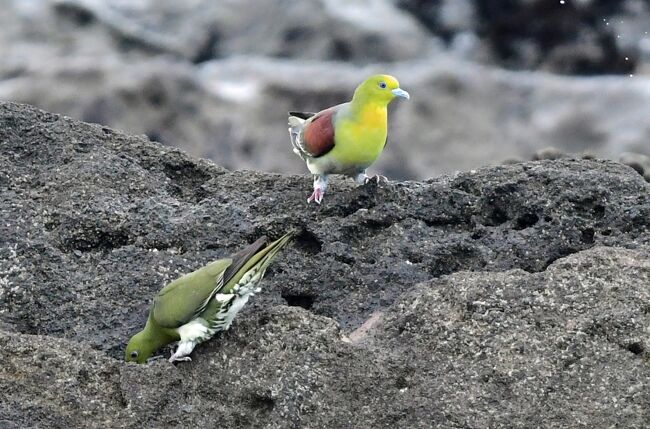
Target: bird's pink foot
{"type": "Point", "coordinates": [316, 196]}
{"type": "Point", "coordinates": [320, 185]}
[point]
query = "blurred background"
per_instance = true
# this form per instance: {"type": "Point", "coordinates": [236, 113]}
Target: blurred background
{"type": "Point", "coordinates": [491, 81]}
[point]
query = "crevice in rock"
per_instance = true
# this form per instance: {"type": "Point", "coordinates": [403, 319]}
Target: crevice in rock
{"type": "Point", "coordinates": [443, 221]}
{"type": "Point", "coordinates": [461, 257]}
{"type": "Point", "coordinates": [495, 217]}
{"type": "Point", "coordinates": [588, 235]}
{"type": "Point", "coordinates": [101, 241]}
{"type": "Point", "coordinates": [526, 220]}
{"type": "Point", "coordinates": [636, 347]}
{"type": "Point", "coordinates": [187, 179]}
{"type": "Point", "coordinates": [307, 242]}
{"type": "Point", "coordinates": [302, 300]}
{"type": "Point", "coordinates": [561, 253]}
{"type": "Point", "coordinates": [262, 402]}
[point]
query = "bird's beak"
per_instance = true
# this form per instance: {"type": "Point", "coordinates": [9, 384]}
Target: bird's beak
{"type": "Point", "coordinates": [399, 92]}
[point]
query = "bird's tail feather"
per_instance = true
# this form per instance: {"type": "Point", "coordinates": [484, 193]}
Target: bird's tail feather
{"type": "Point", "coordinates": [296, 122]}
{"type": "Point", "coordinates": [256, 257]}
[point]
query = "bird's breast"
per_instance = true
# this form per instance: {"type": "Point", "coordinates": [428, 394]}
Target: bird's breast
{"type": "Point", "coordinates": [360, 140]}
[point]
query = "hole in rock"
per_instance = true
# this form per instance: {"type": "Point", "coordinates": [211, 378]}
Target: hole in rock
{"type": "Point", "coordinates": [599, 211]}
{"type": "Point", "coordinates": [636, 347]}
{"type": "Point", "coordinates": [299, 300]}
{"type": "Point", "coordinates": [262, 402]}
{"type": "Point", "coordinates": [588, 235]}
{"type": "Point", "coordinates": [526, 220]}
{"type": "Point", "coordinates": [308, 242]}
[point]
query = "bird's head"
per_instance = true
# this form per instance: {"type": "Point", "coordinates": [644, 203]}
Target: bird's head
{"type": "Point", "coordinates": [140, 348]}
{"type": "Point", "coordinates": [380, 88]}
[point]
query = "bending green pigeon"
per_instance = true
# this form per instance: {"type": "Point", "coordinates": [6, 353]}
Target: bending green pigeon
{"type": "Point", "coordinates": [194, 307]}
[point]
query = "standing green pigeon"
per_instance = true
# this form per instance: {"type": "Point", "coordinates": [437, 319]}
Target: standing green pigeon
{"type": "Point", "coordinates": [347, 138]}
{"type": "Point", "coordinates": [194, 307]}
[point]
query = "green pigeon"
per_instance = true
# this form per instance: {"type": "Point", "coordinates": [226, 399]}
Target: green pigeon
{"type": "Point", "coordinates": [194, 307]}
{"type": "Point", "coordinates": [347, 138]}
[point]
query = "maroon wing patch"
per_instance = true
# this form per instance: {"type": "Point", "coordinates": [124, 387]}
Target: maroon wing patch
{"type": "Point", "coordinates": [318, 135]}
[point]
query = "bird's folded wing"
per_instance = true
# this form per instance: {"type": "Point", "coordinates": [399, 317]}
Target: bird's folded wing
{"type": "Point", "coordinates": [317, 136]}
{"type": "Point", "coordinates": [186, 297]}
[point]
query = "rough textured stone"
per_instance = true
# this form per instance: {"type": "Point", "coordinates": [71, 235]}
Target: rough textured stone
{"type": "Point", "coordinates": [450, 302]}
{"type": "Point", "coordinates": [566, 347]}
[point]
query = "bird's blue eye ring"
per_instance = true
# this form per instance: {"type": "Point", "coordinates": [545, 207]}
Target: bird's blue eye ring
{"type": "Point", "coordinates": [382, 85]}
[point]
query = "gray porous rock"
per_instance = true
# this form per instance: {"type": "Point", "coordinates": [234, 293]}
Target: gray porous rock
{"type": "Point", "coordinates": [509, 296]}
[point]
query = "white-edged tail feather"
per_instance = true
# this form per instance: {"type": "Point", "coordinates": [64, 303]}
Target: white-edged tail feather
{"type": "Point", "coordinates": [296, 125]}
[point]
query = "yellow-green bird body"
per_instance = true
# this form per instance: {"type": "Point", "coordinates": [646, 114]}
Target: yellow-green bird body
{"type": "Point", "coordinates": [367, 133]}
{"type": "Point", "coordinates": [347, 138]}
{"type": "Point", "coordinates": [194, 307]}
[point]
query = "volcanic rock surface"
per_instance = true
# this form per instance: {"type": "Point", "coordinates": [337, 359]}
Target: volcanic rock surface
{"type": "Point", "coordinates": [506, 296]}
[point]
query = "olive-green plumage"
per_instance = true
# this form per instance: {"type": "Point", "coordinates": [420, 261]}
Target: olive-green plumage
{"type": "Point", "coordinates": [192, 308]}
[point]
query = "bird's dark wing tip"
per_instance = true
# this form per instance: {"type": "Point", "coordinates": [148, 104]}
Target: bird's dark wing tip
{"type": "Point", "coordinates": [240, 258]}
{"type": "Point", "coordinates": [302, 115]}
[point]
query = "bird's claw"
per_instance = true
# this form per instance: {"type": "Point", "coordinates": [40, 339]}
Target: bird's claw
{"type": "Point", "coordinates": [155, 358]}
{"type": "Point", "coordinates": [316, 196]}
{"type": "Point", "coordinates": [175, 358]}
{"type": "Point", "coordinates": [378, 178]}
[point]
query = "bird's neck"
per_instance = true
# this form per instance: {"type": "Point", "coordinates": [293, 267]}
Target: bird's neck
{"type": "Point", "coordinates": [155, 336]}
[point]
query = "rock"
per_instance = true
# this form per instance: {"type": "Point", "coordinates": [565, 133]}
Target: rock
{"type": "Point", "coordinates": [51, 382]}
{"type": "Point", "coordinates": [491, 297]}
{"type": "Point", "coordinates": [586, 37]}
{"type": "Point", "coordinates": [639, 162]}
{"type": "Point", "coordinates": [549, 153]}
{"type": "Point", "coordinates": [490, 349]}
{"type": "Point", "coordinates": [202, 30]}
{"type": "Point", "coordinates": [516, 349]}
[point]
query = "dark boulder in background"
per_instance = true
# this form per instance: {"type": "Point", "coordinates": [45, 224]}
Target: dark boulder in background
{"type": "Point", "coordinates": [513, 295]}
{"type": "Point", "coordinates": [589, 37]}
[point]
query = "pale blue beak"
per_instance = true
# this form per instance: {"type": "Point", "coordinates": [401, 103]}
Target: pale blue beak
{"type": "Point", "coordinates": [399, 92]}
